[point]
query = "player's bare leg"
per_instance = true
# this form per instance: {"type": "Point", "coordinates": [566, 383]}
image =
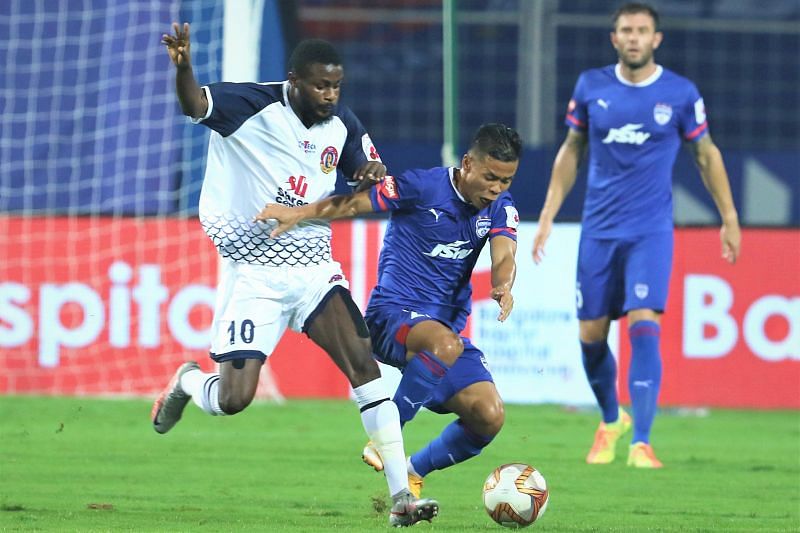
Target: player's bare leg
{"type": "Point", "coordinates": [338, 327]}
{"type": "Point", "coordinates": [225, 393]}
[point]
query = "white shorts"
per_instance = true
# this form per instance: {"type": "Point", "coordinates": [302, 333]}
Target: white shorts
{"type": "Point", "coordinates": [255, 304]}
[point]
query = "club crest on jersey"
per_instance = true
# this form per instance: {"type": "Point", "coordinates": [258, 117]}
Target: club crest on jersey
{"type": "Point", "coordinates": [369, 148]}
{"type": "Point", "coordinates": [662, 113]}
{"type": "Point", "coordinates": [641, 290]}
{"type": "Point", "coordinates": [329, 159]}
{"type": "Point", "coordinates": [482, 226]}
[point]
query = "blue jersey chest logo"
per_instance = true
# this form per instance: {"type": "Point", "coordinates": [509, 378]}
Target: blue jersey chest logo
{"type": "Point", "coordinates": [482, 226]}
{"type": "Point", "coordinates": [662, 113]}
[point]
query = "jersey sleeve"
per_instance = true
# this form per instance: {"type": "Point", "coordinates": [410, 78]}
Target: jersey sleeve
{"type": "Point", "coordinates": [505, 218]}
{"type": "Point", "coordinates": [358, 148]}
{"type": "Point", "coordinates": [396, 192]}
{"type": "Point", "coordinates": [692, 120]}
{"type": "Point", "coordinates": [231, 104]}
{"type": "Point", "coordinates": [577, 113]}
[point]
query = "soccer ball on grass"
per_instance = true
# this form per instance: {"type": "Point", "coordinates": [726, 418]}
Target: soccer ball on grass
{"type": "Point", "coordinates": [515, 495]}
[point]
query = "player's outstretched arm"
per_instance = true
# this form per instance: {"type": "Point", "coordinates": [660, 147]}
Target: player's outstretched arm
{"type": "Point", "coordinates": [333, 207]}
{"type": "Point", "coordinates": [192, 99]}
{"type": "Point", "coordinates": [562, 179]}
{"type": "Point", "coordinates": [504, 271]}
{"type": "Point", "coordinates": [715, 178]}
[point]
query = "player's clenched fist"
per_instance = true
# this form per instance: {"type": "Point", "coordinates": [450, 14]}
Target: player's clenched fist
{"type": "Point", "coordinates": [178, 45]}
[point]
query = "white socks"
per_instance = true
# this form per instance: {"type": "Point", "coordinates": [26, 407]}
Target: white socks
{"type": "Point", "coordinates": [382, 423]}
{"type": "Point", "coordinates": [204, 390]}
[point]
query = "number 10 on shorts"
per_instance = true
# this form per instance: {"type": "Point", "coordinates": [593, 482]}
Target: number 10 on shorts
{"type": "Point", "coordinates": [246, 331]}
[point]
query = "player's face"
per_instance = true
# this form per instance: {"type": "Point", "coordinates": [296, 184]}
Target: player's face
{"type": "Point", "coordinates": [635, 37]}
{"type": "Point", "coordinates": [315, 94]}
{"type": "Point", "coordinates": [483, 179]}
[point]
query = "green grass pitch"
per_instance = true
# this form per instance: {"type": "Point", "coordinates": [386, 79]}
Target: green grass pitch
{"type": "Point", "coordinates": [81, 464]}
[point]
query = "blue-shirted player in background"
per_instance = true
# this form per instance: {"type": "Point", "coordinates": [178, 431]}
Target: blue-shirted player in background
{"type": "Point", "coordinates": [634, 115]}
{"type": "Point", "coordinates": [440, 220]}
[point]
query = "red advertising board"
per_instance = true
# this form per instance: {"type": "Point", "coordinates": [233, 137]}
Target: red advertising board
{"type": "Point", "coordinates": [112, 306]}
{"type": "Point", "coordinates": [730, 335]}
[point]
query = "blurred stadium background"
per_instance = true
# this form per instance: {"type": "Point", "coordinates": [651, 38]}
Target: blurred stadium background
{"type": "Point", "coordinates": [106, 279]}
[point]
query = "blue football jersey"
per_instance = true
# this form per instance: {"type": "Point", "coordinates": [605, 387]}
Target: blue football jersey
{"type": "Point", "coordinates": [634, 132]}
{"type": "Point", "coordinates": [432, 241]}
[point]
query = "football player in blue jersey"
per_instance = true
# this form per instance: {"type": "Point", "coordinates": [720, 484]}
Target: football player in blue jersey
{"type": "Point", "coordinates": [633, 116]}
{"type": "Point", "coordinates": [440, 220]}
{"type": "Point", "coordinates": [282, 142]}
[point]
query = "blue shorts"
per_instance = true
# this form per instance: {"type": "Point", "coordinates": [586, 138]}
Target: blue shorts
{"type": "Point", "coordinates": [618, 275]}
{"type": "Point", "coordinates": [389, 327]}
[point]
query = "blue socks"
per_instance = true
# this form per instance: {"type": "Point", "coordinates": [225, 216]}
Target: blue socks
{"type": "Point", "coordinates": [420, 376]}
{"type": "Point", "coordinates": [644, 378]}
{"type": "Point", "coordinates": [454, 445]}
{"type": "Point", "coordinates": [601, 370]}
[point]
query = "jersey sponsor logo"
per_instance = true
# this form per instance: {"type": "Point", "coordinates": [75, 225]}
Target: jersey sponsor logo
{"type": "Point", "coordinates": [298, 185]}
{"type": "Point", "coordinates": [452, 250]}
{"type": "Point", "coordinates": [435, 213]}
{"type": "Point", "coordinates": [388, 188]}
{"type": "Point", "coordinates": [329, 159]}
{"type": "Point", "coordinates": [627, 134]}
{"type": "Point", "coordinates": [662, 113]}
{"type": "Point", "coordinates": [603, 103]}
{"type": "Point", "coordinates": [369, 148]}
{"type": "Point", "coordinates": [512, 217]}
{"type": "Point", "coordinates": [700, 111]}
{"type": "Point", "coordinates": [482, 226]}
{"type": "Point", "coordinates": [641, 290]}
{"type": "Point", "coordinates": [307, 146]}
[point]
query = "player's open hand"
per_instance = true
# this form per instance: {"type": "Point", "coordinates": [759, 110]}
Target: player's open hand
{"type": "Point", "coordinates": [542, 233]}
{"type": "Point", "coordinates": [502, 295]}
{"type": "Point", "coordinates": [369, 174]}
{"type": "Point", "coordinates": [178, 45]}
{"type": "Point", "coordinates": [285, 216]}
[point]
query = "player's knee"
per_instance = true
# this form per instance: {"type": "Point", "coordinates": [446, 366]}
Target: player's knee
{"type": "Point", "coordinates": [448, 349]}
{"type": "Point", "coordinates": [233, 402]}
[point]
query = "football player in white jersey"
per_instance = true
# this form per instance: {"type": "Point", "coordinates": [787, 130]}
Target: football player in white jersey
{"type": "Point", "coordinates": [282, 142]}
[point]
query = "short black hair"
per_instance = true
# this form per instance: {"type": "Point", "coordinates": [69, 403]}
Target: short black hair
{"type": "Point", "coordinates": [497, 141]}
{"type": "Point", "coordinates": [633, 8]}
{"type": "Point", "coordinates": [312, 51]}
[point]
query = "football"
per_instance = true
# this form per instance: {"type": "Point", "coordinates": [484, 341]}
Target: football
{"type": "Point", "coordinates": [515, 495]}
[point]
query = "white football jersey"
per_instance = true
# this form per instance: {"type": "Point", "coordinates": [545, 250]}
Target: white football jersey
{"type": "Point", "coordinates": [260, 152]}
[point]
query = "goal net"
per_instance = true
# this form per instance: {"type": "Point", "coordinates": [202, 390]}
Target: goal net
{"type": "Point", "coordinates": [105, 277]}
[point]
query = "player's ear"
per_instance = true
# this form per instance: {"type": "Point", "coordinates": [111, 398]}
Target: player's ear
{"type": "Point", "coordinates": [657, 38]}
